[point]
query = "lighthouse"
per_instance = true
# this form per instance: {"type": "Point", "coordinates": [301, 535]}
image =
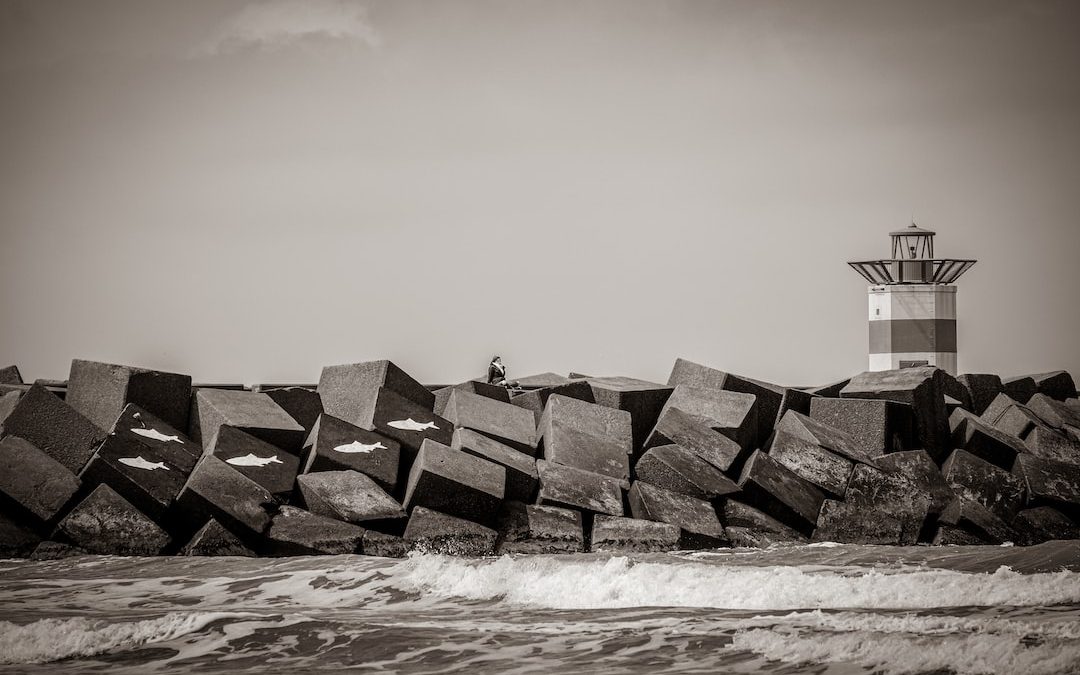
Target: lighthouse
{"type": "Point", "coordinates": [912, 303]}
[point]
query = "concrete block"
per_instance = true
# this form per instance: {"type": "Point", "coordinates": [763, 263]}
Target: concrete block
{"type": "Point", "coordinates": [535, 400]}
{"type": "Point", "coordinates": [384, 545]}
{"type": "Point", "coordinates": [772, 402]}
{"type": "Point", "coordinates": [297, 532]}
{"type": "Point", "coordinates": [495, 392]}
{"type": "Point", "coordinates": [8, 401]}
{"type": "Point", "coordinates": [876, 426]}
{"type": "Point", "coordinates": [214, 539]}
{"type": "Point", "coordinates": [825, 469]}
{"type": "Point", "coordinates": [1018, 421]}
{"type": "Point", "coordinates": [587, 436]}
{"type": "Point", "coordinates": [521, 477]}
{"type": "Point", "coordinates": [266, 464]}
{"type": "Point", "coordinates": [615, 534]}
{"type": "Point", "coordinates": [529, 528]}
{"type": "Point", "coordinates": [1049, 444]}
{"type": "Point", "coordinates": [850, 523]}
{"type": "Point", "coordinates": [16, 539]}
{"type": "Point", "coordinates": [216, 490]}
{"type": "Point", "coordinates": [406, 422]}
{"type": "Point", "coordinates": [917, 466]}
{"type": "Point", "coordinates": [577, 489]}
{"type": "Point", "coordinates": [100, 391]}
{"type": "Point", "coordinates": [1043, 523]}
{"type": "Point", "coordinates": [982, 389]}
{"type": "Point", "coordinates": [351, 392]}
{"type": "Point", "coordinates": [775, 489]}
{"type": "Point", "coordinates": [1050, 482]}
{"type": "Point", "coordinates": [508, 424]}
{"type": "Point", "coordinates": [957, 392]}
{"type": "Point", "coordinates": [433, 532]}
{"type": "Point", "coordinates": [455, 483]}
{"type": "Point", "coordinates": [815, 431]}
{"type": "Point", "coordinates": [148, 477]}
{"type": "Point", "coordinates": [677, 427]}
{"type": "Point", "coordinates": [336, 445]}
{"type": "Point", "coordinates": [54, 427]}
{"type": "Point", "coordinates": [56, 550]}
{"type": "Point", "coordinates": [643, 400]}
{"type": "Point", "coordinates": [748, 527]}
{"type": "Point", "coordinates": [34, 485]}
{"type": "Point", "coordinates": [302, 404]}
{"type": "Point", "coordinates": [878, 494]}
{"type": "Point", "coordinates": [254, 413]}
{"type": "Point", "coordinates": [966, 522]}
{"type": "Point", "coordinates": [1020, 388]}
{"type": "Point", "coordinates": [696, 519]}
{"type": "Point", "coordinates": [980, 481]}
{"type": "Point", "coordinates": [696, 375]}
{"type": "Point", "coordinates": [1058, 385]}
{"type": "Point", "coordinates": [996, 408]}
{"type": "Point", "coordinates": [830, 390]}
{"type": "Point", "coordinates": [987, 443]}
{"type": "Point", "coordinates": [136, 425]}
{"type": "Point", "coordinates": [349, 496]}
{"type": "Point", "coordinates": [1054, 413]}
{"type": "Point", "coordinates": [677, 469]}
{"type": "Point", "coordinates": [731, 413]}
{"type": "Point", "coordinates": [10, 375]}
{"type": "Point", "coordinates": [107, 524]}
{"type": "Point", "coordinates": [923, 389]}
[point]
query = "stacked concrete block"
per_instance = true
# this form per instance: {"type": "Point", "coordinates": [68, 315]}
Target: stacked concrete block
{"type": "Point", "coordinates": [981, 389]}
{"type": "Point", "coordinates": [455, 483]}
{"type": "Point", "coordinates": [8, 401]}
{"type": "Point", "coordinates": [1050, 482]}
{"type": "Point", "coordinates": [966, 522]}
{"type": "Point", "coordinates": [349, 496]}
{"type": "Point", "coordinates": [521, 477]}
{"type": "Point", "coordinates": [830, 390]}
{"type": "Point", "coordinates": [34, 487]}
{"type": "Point", "coordinates": [675, 427]}
{"type": "Point", "coordinates": [337, 445]}
{"type": "Point", "coordinates": [54, 427]}
{"type": "Point", "coordinates": [876, 497]}
{"type": "Point", "coordinates": [848, 522]}
{"type": "Point", "coordinates": [827, 470]}
{"type": "Point", "coordinates": [295, 531]}
{"type": "Point", "coordinates": [923, 475]}
{"type": "Point", "coordinates": [733, 414]}
{"type": "Point", "coordinates": [1056, 414]}
{"type": "Point", "coordinates": [643, 400]}
{"type": "Point", "coordinates": [16, 539]}
{"type": "Point", "coordinates": [878, 426]}
{"type": "Point", "coordinates": [980, 481]}
{"type": "Point", "coordinates": [987, 442]}
{"type": "Point", "coordinates": [748, 527]}
{"type": "Point", "coordinates": [587, 436]}
{"type": "Point", "coordinates": [1043, 523]}
{"type": "Point", "coordinates": [430, 531]}
{"type": "Point", "coordinates": [1057, 384]}
{"type": "Point", "coordinates": [675, 468]}
{"type": "Point", "coordinates": [10, 375]}
{"type": "Point", "coordinates": [301, 403]}
{"type": "Point", "coordinates": [531, 528]}
{"type": "Point", "coordinates": [1020, 388]}
{"type": "Point", "coordinates": [495, 392]}
{"type": "Point", "coordinates": [216, 490]}
{"type": "Point", "coordinates": [542, 387]}
{"type": "Point", "coordinates": [778, 491]}
{"type": "Point", "coordinates": [349, 391]}
{"type": "Point", "coordinates": [923, 389]}
{"type": "Point", "coordinates": [830, 438]}
{"type": "Point", "coordinates": [586, 491]}
{"type": "Point", "coordinates": [505, 423]}
{"type": "Point", "coordinates": [696, 518]}
{"type": "Point", "coordinates": [252, 412]}
{"type": "Point", "coordinates": [107, 524]}
{"type": "Point", "coordinates": [214, 539]}
{"type": "Point", "coordinates": [266, 464]}
{"type": "Point", "coordinates": [1049, 444]}
{"type": "Point", "coordinates": [100, 391]}
{"type": "Point", "coordinates": [616, 534]}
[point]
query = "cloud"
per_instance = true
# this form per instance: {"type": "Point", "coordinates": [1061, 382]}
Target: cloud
{"type": "Point", "coordinates": [276, 24]}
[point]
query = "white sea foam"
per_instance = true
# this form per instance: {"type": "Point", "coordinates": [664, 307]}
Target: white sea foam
{"type": "Point", "coordinates": [618, 582]}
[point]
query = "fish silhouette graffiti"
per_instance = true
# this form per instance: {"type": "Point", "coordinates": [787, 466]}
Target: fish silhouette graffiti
{"type": "Point", "coordinates": [358, 447]}
{"type": "Point", "coordinates": [156, 435]}
{"type": "Point", "coordinates": [251, 460]}
{"type": "Point", "coordinates": [412, 425]}
{"type": "Point", "coordinates": [140, 463]}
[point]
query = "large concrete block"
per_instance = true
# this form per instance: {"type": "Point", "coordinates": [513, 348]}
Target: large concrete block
{"type": "Point", "coordinates": [828, 437]}
{"type": "Point", "coordinates": [1050, 482]}
{"type": "Point", "coordinates": [455, 483]}
{"type": "Point", "coordinates": [849, 523]}
{"type": "Point", "coordinates": [696, 518]}
{"type": "Point", "coordinates": [34, 485]}
{"type": "Point", "coordinates": [136, 425]}
{"type": "Point", "coordinates": [577, 489]}
{"type": "Point", "coordinates": [875, 494]}
{"type": "Point", "coordinates": [917, 466]}
{"type": "Point", "coordinates": [405, 421]}
{"type": "Point", "coordinates": [297, 532]}
{"type": "Point", "coordinates": [696, 375]}
{"type": "Point", "coordinates": [1058, 385]}
{"type": "Point", "coordinates": [1020, 388]}
{"type": "Point", "coordinates": [535, 400]}
{"type": "Point", "coordinates": [107, 524]}
{"type": "Point", "coordinates": [352, 391]}
{"type": "Point", "coordinates": [433, 532]}
{"type": "Point", "coordinates": [675, 468]}
{"type": "Point", "coordinates": [748, 527]}
{"type": "Point", "coordinates": [254, 413]}
{"type": "Point", "coordinates": [830, 390]}
{"type": "Point", "coordinates": [1018, 421]}
{"type": "Point", "coordinates": [967, 522]}
{"type": "Point", "coordinates": [773, 401]}
{"type": "Point", "coordinates": [778, 491]}
{"type": "Point", "coordinates": [99, 391]}
{"type": "Point", "coordinates": [1049, 444]}
{"type": "Point", "coordinates": [1044, 523]}
{"type": "Point", "coordinates": [266, 464]}
{"type": "Point", "coordinates": [521, 477]}
{"type": "Point", "coordinates": [301, 403]}
{"type": "Point", "coordinates": [56, 550]}
{"type": "Point", "coordinates": [54, 427]}
{"type": "Point", "coordinates": [503, 422]}
{"type": "Point", "coordinates": [986, 442]}
{"type": "Point", "coordinates": [643, 400]}
{"type": "Point", "coordinates": [16, 539]}
{"type": "Point", "coordinates": [615, 534]}
{"type": "Point", "coordinates": [216, 490]}
{"type": "Point", "coordinates": [982, 389]}
{"type": "Point", "coordinates": [10, 375]}
{"type": "Point", "coordinates": [982, 482]}
{"type": "Point", "coordinates": [587, 436]}
{"type": "Point", "coordinates": [530, 528]}
{"type": "Point", "coordinates": [731, 413]}
{"type": "Point", "coordinates": [923, 389]}
{"type": "Point", "coordinates": [8, 401]}
{"type": "Point", "coordinates": [677, 427]}
{"type": "Point", "coordinates": [349, 496]}
{"type": "Point", "coordinates": [214, 539]}
{"type": "Point", "coordinates": [825, 469]}
{"type": "Point", "coordinates": [996, 408]}
{"type": "Point", "coordinates": [336, 445]}
{"type": "Point", "coordinates": [384, 545]}
{"type": "Point", "coordinates": [148, 477]}
{"type": "Point", "coordinates": [877, 426]}
{"type": "Point", "coordinates": [1054, 413]}
{"type": "Point", "coordinates": [495, 392]}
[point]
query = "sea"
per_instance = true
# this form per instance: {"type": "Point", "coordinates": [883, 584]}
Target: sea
{"type": "Point", "coordinates": [824, 608]}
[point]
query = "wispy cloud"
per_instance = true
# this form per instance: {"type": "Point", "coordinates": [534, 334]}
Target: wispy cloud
{"type": "Point", "coordinates": [275, 24]}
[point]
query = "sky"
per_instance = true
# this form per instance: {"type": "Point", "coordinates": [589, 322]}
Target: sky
{"type": "Point", "coordinates": [248, 191]}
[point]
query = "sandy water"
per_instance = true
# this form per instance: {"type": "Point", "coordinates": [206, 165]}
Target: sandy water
{"type": "Point", "coordinates": [818, 608]}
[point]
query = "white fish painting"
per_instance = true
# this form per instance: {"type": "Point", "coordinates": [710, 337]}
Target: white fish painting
{"type": "Point", "coordinates": [251, 460]}
{"type": "Point", "coordinates": [412, 425]}
{"type": "Point", "coordinates": [156, 435]}
{"type": "Point", "coordinates": [140, 463]}
{"type": "Point", "coordinates": [358, 447]}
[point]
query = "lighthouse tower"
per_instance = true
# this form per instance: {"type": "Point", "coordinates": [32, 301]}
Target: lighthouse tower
{"type": "Point", "coordinates": [912, 303]}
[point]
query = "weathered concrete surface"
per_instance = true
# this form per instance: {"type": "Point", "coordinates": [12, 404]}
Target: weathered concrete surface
{"type": "Point", "coordinates": [771, 487]}
{"type": "Point", "coordinates": [1056, 414]}
{"type": "Point", "coordinates": [297, 532]}
{"type": "Point", "coordinates": [747, 527]}
{"type": "Point", "coordinates": [8, 401]}
{"type": "Point", "coordinates": [917, 466]}
{"type": "Point", "coordinates": [521, 477]}
{"type": "Point", "coordinates": [982, 389]}
{"type": "Point", "coordinates": [825, 469]}
{"type": "Point", "coordinates": [830, 390]}
{"type": "Point", "coordinates": [876, 494]}
{"type": "Point", "coordinates": [492, 391]}
{"type": "Point", "coordinates": [107, 524]}
{"type": "Point", "coordinates": [137, 425]}
{"type": "Point", "coordinates": [56, 550]}
{"type": "Point", "coordinates": [982, 482]}
{"type": "Point", "coordinates": [923, 389]}
{"type": "Point", "coordinates": [772, 402]}
{"type": "Point", "coordinates": [586, 436]}
{"type": "Point", "coordinates": [508, 424]}
{"type": "Point", "coordinates": [1049, 444]}
{"type": "Point", "coordinates": [349, 496]}
{"type": "Point", "coordinates": [33, 484]}
{"type": "Point", "coordinates": [1018, 421]}
{"type": "Point", "coordinates": [967, 522]}
{"type": "Point", "coordinates": [337, 445]}
{"type": "Point", "coordinates": [643, 400]}
{"type": "Point", "coordinates": [955, 390]}
{"type": "Point", "coordinates": [16, 540]}
{"type": "Point", "coordinates": [615, 534]}
{"type": "Point", "coordinates": [696, 375]}
{"type": "Point", "coordinates": [677, 427]}
{"type": "Point", "coordinates": [351, 391]}
{"type": "Point", "coordinates": [817, 432]}
{"type": "Point", "coordinates": [266, 464]}
{"type": "Point", "coordinates": [1058, 385]}
{"type": "Point", "coordinates": [99, 391]}
{"type": "Point", "coordinates": [1020, 388]}
{"type": "Point", "coordinates": [254, 413]}
{"type": "Point", "coordinates": [530, 528]}
{"type": "Point", "coordinates": [1044, 523]}
{"type": "Point", "coordinates": [455, 483]}
{"type": "Point", "coordinates": [148, 477]}
{"type": "Point", "coordinates": [986, 442]}
{"type": "Point", "coordinates": [10, 375]}
{"type": "Point", "coordinates": [696, 518]}
{"type": "Point", "coordinates": [1050, 482]}
{"type": "Point", "coordinates": [677, 469]}
{"type": "Point", "coordinates": [407, 423]}
{"type": "Point", "coordinates": [536, 400]}
{"type": "Point", "coordinates": [733, 414]}
{"type": "Point", "coordinates": [433, 532]}
{"type": "Point", "coordinates": [213, 539]}
{"type": "Point", "coordinates": [577, 489]}
{"type": "Point", "coordinates": [848, 523]}
{"type": "Point", "coordinates": [996, 408]}
{"type": "Point", "coordinates": [876, 426]}
{"type": "Point", "coordinates": [302, 404]}
{"type": "Point", "coordinates": [54, 427]}
{"type": "Point", "coordinates": [216, 490]}
{"type": "Point", "coordinates": [384, 545]}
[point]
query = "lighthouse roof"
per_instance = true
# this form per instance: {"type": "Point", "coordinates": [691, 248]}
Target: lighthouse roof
{"type": "Point", "coordinates": [911, 230]}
